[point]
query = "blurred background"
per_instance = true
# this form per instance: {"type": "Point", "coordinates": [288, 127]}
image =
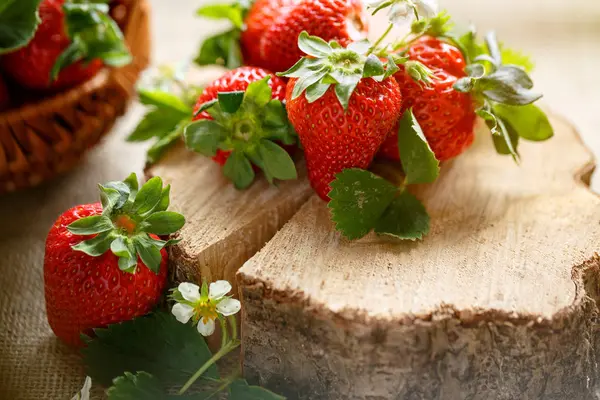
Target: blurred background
{"type": "Point", "coordinates": [562, 36]}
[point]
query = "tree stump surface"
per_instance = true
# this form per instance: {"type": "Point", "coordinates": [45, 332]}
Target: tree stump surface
{"type": "Point", "coordinates": [497, 302]}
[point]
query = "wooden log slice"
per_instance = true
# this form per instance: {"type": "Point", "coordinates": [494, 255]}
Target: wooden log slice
{"type": "Point", "coordinates": [498, 302]}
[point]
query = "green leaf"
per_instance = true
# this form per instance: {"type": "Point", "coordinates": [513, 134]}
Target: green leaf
{"type": "Point", "coordinates": [391, 68]}
{"type": "Point", "coordinates": [275, 114]}
{"type": "Point", "coordinates": [418, 160]}
{"type": "Point", "coordinates": [158, 149]}
{"type": "Point", "coordinates": [313, 45]}
{"type": "Point", "coordinates": [239, 170]}
{"type": "Point", "coordinates": [515, 57]}
{"type": "Point", "coordinates": [344, 90]}
{"type": "Point", "coordinates": [123, 248]}
{"type": "Point", "coordinates": [96, 246]}
{"type": "Point", "coordinates": [276, 161]}
{"type": "Point", "coordinates": [405, 218]}
{"type": "Point", "coordinates": [148, 252]}
{"type": "Point", "coordinates": [529, 122]}
{"type": "Point", "coordinates": [164, 222]}
{"type": "Point", "coordinates": [157, 344]}
{"type": "Point", "coordinates": [259, 92]}
{"type": "Point", "coordinates": [19, 20]}
{"type": "Point", "coordinates": [206, 106]}
{"type": "Point", "coordinates": [143, 386]}
{"type": "Point", "coordinates": [302, 67]}
{"type": "Point", "coordinates": [509, 85]}
{"type": "Point", "coordinates": [221, 49]}
{"type": "Point", "coordinates": [230, 102]}
{"type": "Point", "coordinates": [360, 47]}
{"type": "Point", "coordinates": [156, 123]}
{"type": "Point", "coordinates": [240, 390]}
{"type": "Point", "coordinates": [305, 81]}
{"type": "Point", "coordinates": [148, 196]}
{"type": "Point", "coordinates": [493, 48]}
{"type": "Point", "coordinates": [507, 141]}
{"type": "Point", "coordinates": [91, 225]}
{"type": "Point", "coordinates": [164, 100]}
{"type": "Point", "coordinates": [203, 136]}
{"type": "Point", "coordinates": [358, 199]}
{"type": "Point", "coordinates": [373, 67]}
{"type": "Point", "coordinates": [230, 12]}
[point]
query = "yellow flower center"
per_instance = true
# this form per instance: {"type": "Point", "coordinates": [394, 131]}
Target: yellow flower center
{"type": "Point", "coordinates": [206, 311]}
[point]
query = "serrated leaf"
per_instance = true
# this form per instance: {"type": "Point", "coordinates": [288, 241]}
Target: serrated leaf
{"type": "Point", "coordinates": [313, 45]}
{"type": "Point", "coordinates": [529, 122]}
{"type": "Point", "coordinates": [240, 390]}
{"type": "Point", "coordinates": [164, 100]}
{"type": "Point", "coordinates": [418, 160]}
{"type": "Point", "coordinates": [406, 218]}
{"type": "Point", "coordinates": [515, 57]}
{"type": "Point", "coordinates": [19, 20]}
{"type": "Point", "coordinates": [276, 161]}
{"type": "Point", "coordinates": [164, 222]}
{"type": "Point", "coordinates": [203, 136]}
{"type": "Point", "coordinates": [143, 386]}
{"type": "Point", "coordinates": [96, 246]}
{"type": "Point", "coordinates": [91, 225]}
{"type": "Point", "coordinates": [148, 252]}
{"type": "Point", "coordinates": [358, 199]}
{"type": "Point", "coordinates": [239, 170]}
{"type": "Point", "coordinates": [302, 67]}
{"type": "Point", "coordinates": [306, 81]}
{"type": "Point", "coordinates": [230, 12]}
{"type": "Point", "coordinates": [315, 91]}
{"type": "Point", "coordinates": [230, 102]}
{"type": "Point", "coordinates": [148, 196]}
{"type": "Point", "coordinates": [259, 92]}
{"type": "Point", "coordinates": [158, 344]}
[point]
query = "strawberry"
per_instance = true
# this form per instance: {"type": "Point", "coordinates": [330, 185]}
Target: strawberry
{"type": "Point", "coordinates": [86, 285]}
{"type": "Point", "coordinates": [240, 122]}
{"type": "Point", "coordinates": [4, 95]}
{"type": "Point", "coordinates": [70, 46]}
{"type": "Point", "coordinates": [258, 20]}
{"type": "Point", "coordinates": [437, 106]}
{"type": "Point", "coordinates": [340, 20]}
{"type": "Point", "coordinates": [350, 105]}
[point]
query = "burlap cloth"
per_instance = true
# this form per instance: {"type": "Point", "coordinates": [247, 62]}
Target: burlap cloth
{"type": "Point", "coordinates": [35, 365]}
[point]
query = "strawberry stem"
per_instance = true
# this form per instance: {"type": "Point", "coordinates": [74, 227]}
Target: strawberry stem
{"type": "Point", "coordinates": [378, 42]}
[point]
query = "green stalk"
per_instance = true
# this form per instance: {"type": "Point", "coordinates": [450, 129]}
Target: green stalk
{"type": "Point", "coordinates": [216, 357]}
{"type": "Point", "coordinates": [378, 42]}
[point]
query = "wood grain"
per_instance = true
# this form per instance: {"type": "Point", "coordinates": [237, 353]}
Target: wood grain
{"type": "Point", "coordinates": [490, 305]}
{"type": "Point", "coordinates": [224, 226]}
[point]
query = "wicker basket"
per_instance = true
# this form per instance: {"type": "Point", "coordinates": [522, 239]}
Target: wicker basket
{"type": "Point", "coordinates": [41, 140]}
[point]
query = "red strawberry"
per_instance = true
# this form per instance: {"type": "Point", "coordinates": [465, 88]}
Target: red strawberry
{"type": "Point", "coordinates": [4, 95]}
{"type": "Point", "coordinates": [341, 20]}
{"type": "Point", "coordinates": [438, 107]}
{"type": "Point", "coordinates": [252, 125]}
{"type": "Point", "coordinates": [89, 286]}
{"type": "Point", "coordinates": [260, 17]}
{"type": "Point", "coordinates": [334, 138]}
{"type": "Point", "coordinates": [53, 52]}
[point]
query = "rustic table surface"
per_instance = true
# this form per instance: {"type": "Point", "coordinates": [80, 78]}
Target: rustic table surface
{"type": "Point", "coordinates": [563, 36]}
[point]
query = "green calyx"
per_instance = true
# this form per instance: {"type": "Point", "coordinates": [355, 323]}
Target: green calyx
{"type": "Point", "coordinates": [128, 216]}
{"type": "Point", "coordinates": [250, 125]}
{"type": "Point", "coordinates": [329, 64]}
{"type": "Point", "coordinates": [503, 94]}
{"type": "Point", "coordinates": [94, 35]}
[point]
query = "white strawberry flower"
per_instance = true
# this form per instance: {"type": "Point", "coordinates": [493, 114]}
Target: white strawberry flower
{"type": "Point", "coordinates": [203, 305]}
{"type": "Point", "coordinates": [401, 11]}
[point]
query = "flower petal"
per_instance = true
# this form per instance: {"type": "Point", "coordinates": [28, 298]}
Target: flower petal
{"type": "Point", "coordinates": [182, 312]}
{"type": "Point", "coordinates": [426, 8]}
{"type": "Point", "coordinates": [218, 289]}
{"type": "Point", "coordinates": [206, 329]}
{"type": "Point", "coordinates": [399, 13]}
{"type": "Point", "coordinates": [228, 306]}
{"type": "Point", "coordinates": [189, 291]}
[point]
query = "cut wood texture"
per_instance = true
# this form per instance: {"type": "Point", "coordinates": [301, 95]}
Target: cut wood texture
{"type": "Point", "coordinates": [498, 302]}
{"type": "Point", "coordinates": [224, 226]}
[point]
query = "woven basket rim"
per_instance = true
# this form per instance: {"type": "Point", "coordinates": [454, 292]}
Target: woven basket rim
{"type": "Point", "coordinates": [29, 110]}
